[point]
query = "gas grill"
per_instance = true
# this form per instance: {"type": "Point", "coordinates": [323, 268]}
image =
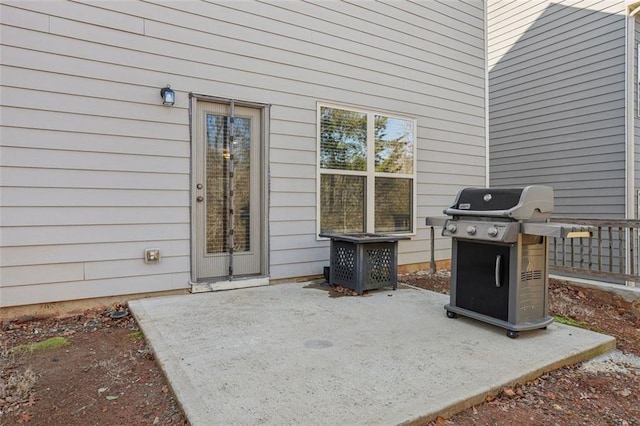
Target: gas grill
{"type": "Point", "coordinates": [499, 255]}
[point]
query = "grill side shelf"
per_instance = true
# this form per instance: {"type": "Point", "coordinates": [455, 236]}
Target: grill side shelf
{"type": "Point", "coordinates": [558, 230]}
{"type": "Point", "coordinates": [437, 221]}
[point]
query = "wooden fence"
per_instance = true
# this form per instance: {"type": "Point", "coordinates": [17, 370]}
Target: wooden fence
{"type": "Point", "coordinates": [610, 253]}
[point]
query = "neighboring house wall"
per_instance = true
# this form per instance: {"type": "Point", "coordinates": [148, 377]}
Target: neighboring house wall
{"type": "Point", "coordinates": [557, 101]}
{"type": "Point", "coordinates": [95, 169]}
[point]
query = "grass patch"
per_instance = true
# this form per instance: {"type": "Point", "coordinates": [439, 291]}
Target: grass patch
{"type": "Point", "coordinates": [137, 335]}
{"type": "Point", "coordinates": [52, 343]}
{"type": "Point", "coordinates": [568, 321]}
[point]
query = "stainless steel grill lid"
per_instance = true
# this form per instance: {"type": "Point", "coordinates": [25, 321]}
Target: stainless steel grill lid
{"type": "Point", "coordinates": [534, 203]}
{"type": "Point", "coordinates": [500, 214]}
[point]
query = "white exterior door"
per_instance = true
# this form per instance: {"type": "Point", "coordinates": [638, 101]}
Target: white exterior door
{"type": "Point", "coordinates": [226, 198]}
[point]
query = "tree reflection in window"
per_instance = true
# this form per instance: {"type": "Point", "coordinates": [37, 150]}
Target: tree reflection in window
{"type": "Point", "coordinates": [394, 145]}
{"type": "Point", "coordinates": [342, 204]}
{"type": "Point", "coordinates": [393, 205]}
{"type": "Point", "coordinates": [343, 139]}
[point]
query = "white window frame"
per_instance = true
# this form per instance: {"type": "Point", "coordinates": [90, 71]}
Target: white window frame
{"type": "Point", "coordinates": [370, 174]}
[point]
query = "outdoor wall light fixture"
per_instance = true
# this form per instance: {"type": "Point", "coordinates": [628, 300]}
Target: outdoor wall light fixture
{"type": "Point", "coordinates": [168, 96]}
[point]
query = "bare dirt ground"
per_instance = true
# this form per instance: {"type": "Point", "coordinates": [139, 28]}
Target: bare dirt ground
{"type": "Point", "coordinates": [104, 373]}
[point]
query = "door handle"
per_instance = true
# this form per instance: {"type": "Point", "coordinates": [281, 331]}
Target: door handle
{"type": "Point", "coordinates": [199, 198]}
{"type": "Point", "coordinates": [498, 269]}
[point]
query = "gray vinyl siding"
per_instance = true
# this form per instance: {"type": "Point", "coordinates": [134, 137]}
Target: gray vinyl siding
{"type": "Point", "coordinates": [556, 101]}
{"type": "Point", "coordinates": [95, 169]}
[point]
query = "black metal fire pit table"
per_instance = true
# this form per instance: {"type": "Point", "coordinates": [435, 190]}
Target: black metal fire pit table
{"type": "Point", "coordinates": [364, 261]}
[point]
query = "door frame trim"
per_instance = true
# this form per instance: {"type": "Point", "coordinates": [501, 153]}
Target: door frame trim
{"type": "Point", "coordinates": [265, 113]}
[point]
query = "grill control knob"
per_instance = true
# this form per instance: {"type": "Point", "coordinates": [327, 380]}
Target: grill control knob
{"type": "Point", "coordinates": [493, 231]}
{"type": "Point", "coordinates": [452, 228]}
{"type": "Point", "coordinates": [471, 230]}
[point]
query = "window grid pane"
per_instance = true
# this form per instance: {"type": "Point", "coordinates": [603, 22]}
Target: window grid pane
{"type": "Point", "coordinates": [343, 139]}
{"type": "Point", "coordinates": [394, 145]}
{"type": "Point", "coordinates": [393, 205]}
{"type": "Point", "coordinates": [342, 203]}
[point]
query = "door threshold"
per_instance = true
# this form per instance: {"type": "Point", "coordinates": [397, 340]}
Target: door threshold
{"type": "Point", "coordinates": [208, 285]}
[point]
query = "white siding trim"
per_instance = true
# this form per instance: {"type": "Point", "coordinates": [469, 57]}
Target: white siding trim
{"type": "Point", "coordinates": [630, 192]}
{"type": "Point", "coordinates": [487, 172]}
{"type": "Point", "coordinates": [629, 122]}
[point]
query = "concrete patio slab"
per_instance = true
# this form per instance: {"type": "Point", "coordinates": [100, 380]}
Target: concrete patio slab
{"type": "Point", "coordinates": [291, 354]}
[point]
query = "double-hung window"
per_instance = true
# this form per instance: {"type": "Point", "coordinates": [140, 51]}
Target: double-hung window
{"type": "Point", "coordinates": [366, 171]}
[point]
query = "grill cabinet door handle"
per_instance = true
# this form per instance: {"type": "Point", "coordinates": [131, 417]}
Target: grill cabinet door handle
{"type": "Point", "coordinates": [498, 268]}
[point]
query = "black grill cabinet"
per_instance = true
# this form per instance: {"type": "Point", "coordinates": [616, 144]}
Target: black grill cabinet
{"type": "Point", "coordinates": [504, 284]}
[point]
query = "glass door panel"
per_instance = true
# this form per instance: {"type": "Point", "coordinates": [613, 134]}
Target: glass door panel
{"type": "Point", "coordinates": [218, 155]}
